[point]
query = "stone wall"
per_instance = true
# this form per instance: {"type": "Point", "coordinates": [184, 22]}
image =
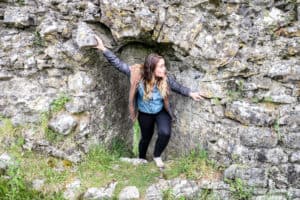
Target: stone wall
{"type": "Point", "coordinates": [244, 54]}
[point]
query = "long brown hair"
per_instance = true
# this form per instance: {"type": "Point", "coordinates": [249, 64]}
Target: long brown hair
{"type": "Point", "coordinates": [149, 77]}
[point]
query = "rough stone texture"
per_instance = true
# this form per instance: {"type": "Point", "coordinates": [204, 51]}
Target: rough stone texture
{"type": "Point", "coordinates": [254, 176]}
{"type": "Point", "coordinates": [250, 114]}
{"type": "Point", "coordinates": [84, 36]}
{"type": "Point", "coordinates": [5, 162]}
{"type": "Point", "coordinates": [134, 161]}
{"type": "Point", "coordinates": [63, 123]}
{"type": "Point", "coordinates": [38, 184]}
{"type": "Point", "coordinates": [178, 187]}
{"type": "Point", "coordinates": [258, 137]}
{"type": "Point", "coordinates": [129, 192]}
{"type": "Point", "coordinates": [71, 192]}
{"type": "Point", "coordinates": [243, 54]}
{"type": "Point", "coordinates": [100, 193]}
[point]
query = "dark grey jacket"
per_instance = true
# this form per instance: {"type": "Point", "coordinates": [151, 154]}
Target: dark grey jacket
{"type": "Point", "coordinates": [124, 67]}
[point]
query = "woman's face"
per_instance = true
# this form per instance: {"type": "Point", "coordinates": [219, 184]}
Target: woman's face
{"type": "Point", "coordinates": [160, 69]}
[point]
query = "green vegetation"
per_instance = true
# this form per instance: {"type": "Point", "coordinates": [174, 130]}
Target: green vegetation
{"type": "Point", "coordinates": [255, 100]}
{"type": "Point", "coordinates": [239, 190]}
{"type": "Point", "coordinates": [57, 105]}
{"type": "Point", "coordinates": [266, 99]}
{"type": "Point", "coordinates": [208, 194]}
{"type": "Point", "coordinates": [38, 40]}
{"type": "Point", "coordinates": [17, 188]}
{"type": "Point", "coordinates": [21, 2]}
{"type": "Point", "coordinates": [136, 138]}
{"type": "Point", "coordinates": [235, 94]}
{"type": "Point", "coordinates": [7, 128]}
{"type": "Point", "coordinates": [277, 131]}
{"type": "Point", "coordinates": [194, 165]}
{"type": "Point", "coordinates": [168, 194]}
{"type": "Point", "coordinates": [216, 101]}
{"type": "Point", "coordinates": [99, 167]}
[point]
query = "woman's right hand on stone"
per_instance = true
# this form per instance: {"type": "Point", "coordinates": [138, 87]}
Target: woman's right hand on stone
{"type": "Point", "coordinates": [100, 44]}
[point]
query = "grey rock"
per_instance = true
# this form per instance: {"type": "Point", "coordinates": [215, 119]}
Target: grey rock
{"type": "Point", "coordinates": [100, 193]}
{"type": "Point", "coordinates": [266, 197]}
{"type": "Point", "coordinates": [276, 156]}
{"type": "Point", "coordinates": [292, 140]}
{"type": "Point", "coordinates": [179, 187]}
{"type": "Point", "coordinates": [258, 137]}
{"type": "Point", "coordinates": [71, 50]}
{"type": "Point", "coordinates": [253, 176]}
{"type": "Point", "coordinates": [71, 192]}
{"type": "Point", "coordinates": [52, 25]}
{"type": "Point", "coordinates": [63, 123]}
{"type": "Point", "coordinates": [285, 70]}
{"type": "Point", "coordinates": [294, 193]}
{"type": "Point", "coordinates": [290, 118]}
{"type": "Point", "coordinates": [129, 192]}
{"type": "Point", "coordinates": [295, 156]}
{"type": "Point", "coordinates": [5, 162]}
{"type": "Point", "coordinates": [214, 185]}
{"type": "Point", "coordinates": [77, 105]}
{"type": "Point", "coordinates": [81, 82]}
{"type": "Point", "coordinates": [38, 184]}
{"type": "Point", "coordinates": [5, 76]}
{"type": "Point", "coordinates": [134, 161]}
{"type": "Point", "coordinates": [247, 114]}
{"type": "Point", "coordinates": [85, 36]}
{"type": "Point", "coordinates": [91, 13]}
{"type": "Point", "coordinates": [19, 17]}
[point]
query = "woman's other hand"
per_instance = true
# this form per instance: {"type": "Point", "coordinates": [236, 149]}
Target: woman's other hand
{"type": "Point", "coordinates": [100, 44]}
{"type": "Point", "coordinates": [197, 96]}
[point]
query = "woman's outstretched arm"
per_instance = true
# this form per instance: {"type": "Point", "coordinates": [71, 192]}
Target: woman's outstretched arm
{"type": "Point", "coordinates": [112, 58]}
{"type": "Point", "coordinates": [185, 91]}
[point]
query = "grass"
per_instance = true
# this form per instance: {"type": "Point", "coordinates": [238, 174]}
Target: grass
{"type": "Point", "coordinates": [136, 138]}
{"type": "Point", "coordinates": [195, 165]}
{"type": "Point", "coordinates": [7, 128]}
{"type": "Point", "coordinates": [100, 166]}
{"type": "Point", "coordinates": [16, 188]}
{"type": "Point", "coordinates": [168, 194]}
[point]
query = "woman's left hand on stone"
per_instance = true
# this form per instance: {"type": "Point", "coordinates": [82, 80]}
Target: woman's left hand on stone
{"type": "Point", "coordinates": [197, 96]}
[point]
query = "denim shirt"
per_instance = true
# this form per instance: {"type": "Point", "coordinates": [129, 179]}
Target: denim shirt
{"type": "Point", "coordinates": [152, 105]}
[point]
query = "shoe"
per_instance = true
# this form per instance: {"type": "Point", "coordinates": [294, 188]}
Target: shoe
{"type": "Point", "coordinates": [159, 163]}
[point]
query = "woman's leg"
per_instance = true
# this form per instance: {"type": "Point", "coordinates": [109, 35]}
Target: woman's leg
{"type": "Point", "coordinates": [146, 122]}
{"type": "Point", "coordinates": [163, 121]}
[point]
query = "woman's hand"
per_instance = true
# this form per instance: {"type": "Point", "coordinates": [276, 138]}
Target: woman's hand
{"type": "Point", "coordinates": [100, 44]}
{"type": "Point", "coordinates": [197, 96]}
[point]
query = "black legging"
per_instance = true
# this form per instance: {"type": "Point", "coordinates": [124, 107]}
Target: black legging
{"type": "Point", "coordinates": [147, 121]}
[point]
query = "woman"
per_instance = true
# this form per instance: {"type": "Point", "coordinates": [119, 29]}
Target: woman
{"type": "Point", "coordinates": [148, 98]}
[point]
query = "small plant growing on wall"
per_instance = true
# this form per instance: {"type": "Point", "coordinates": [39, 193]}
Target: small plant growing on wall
{"type": "Point", "coordinates": [57, 105]}
{"type": "Point", "coordinates": [239, 190]}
